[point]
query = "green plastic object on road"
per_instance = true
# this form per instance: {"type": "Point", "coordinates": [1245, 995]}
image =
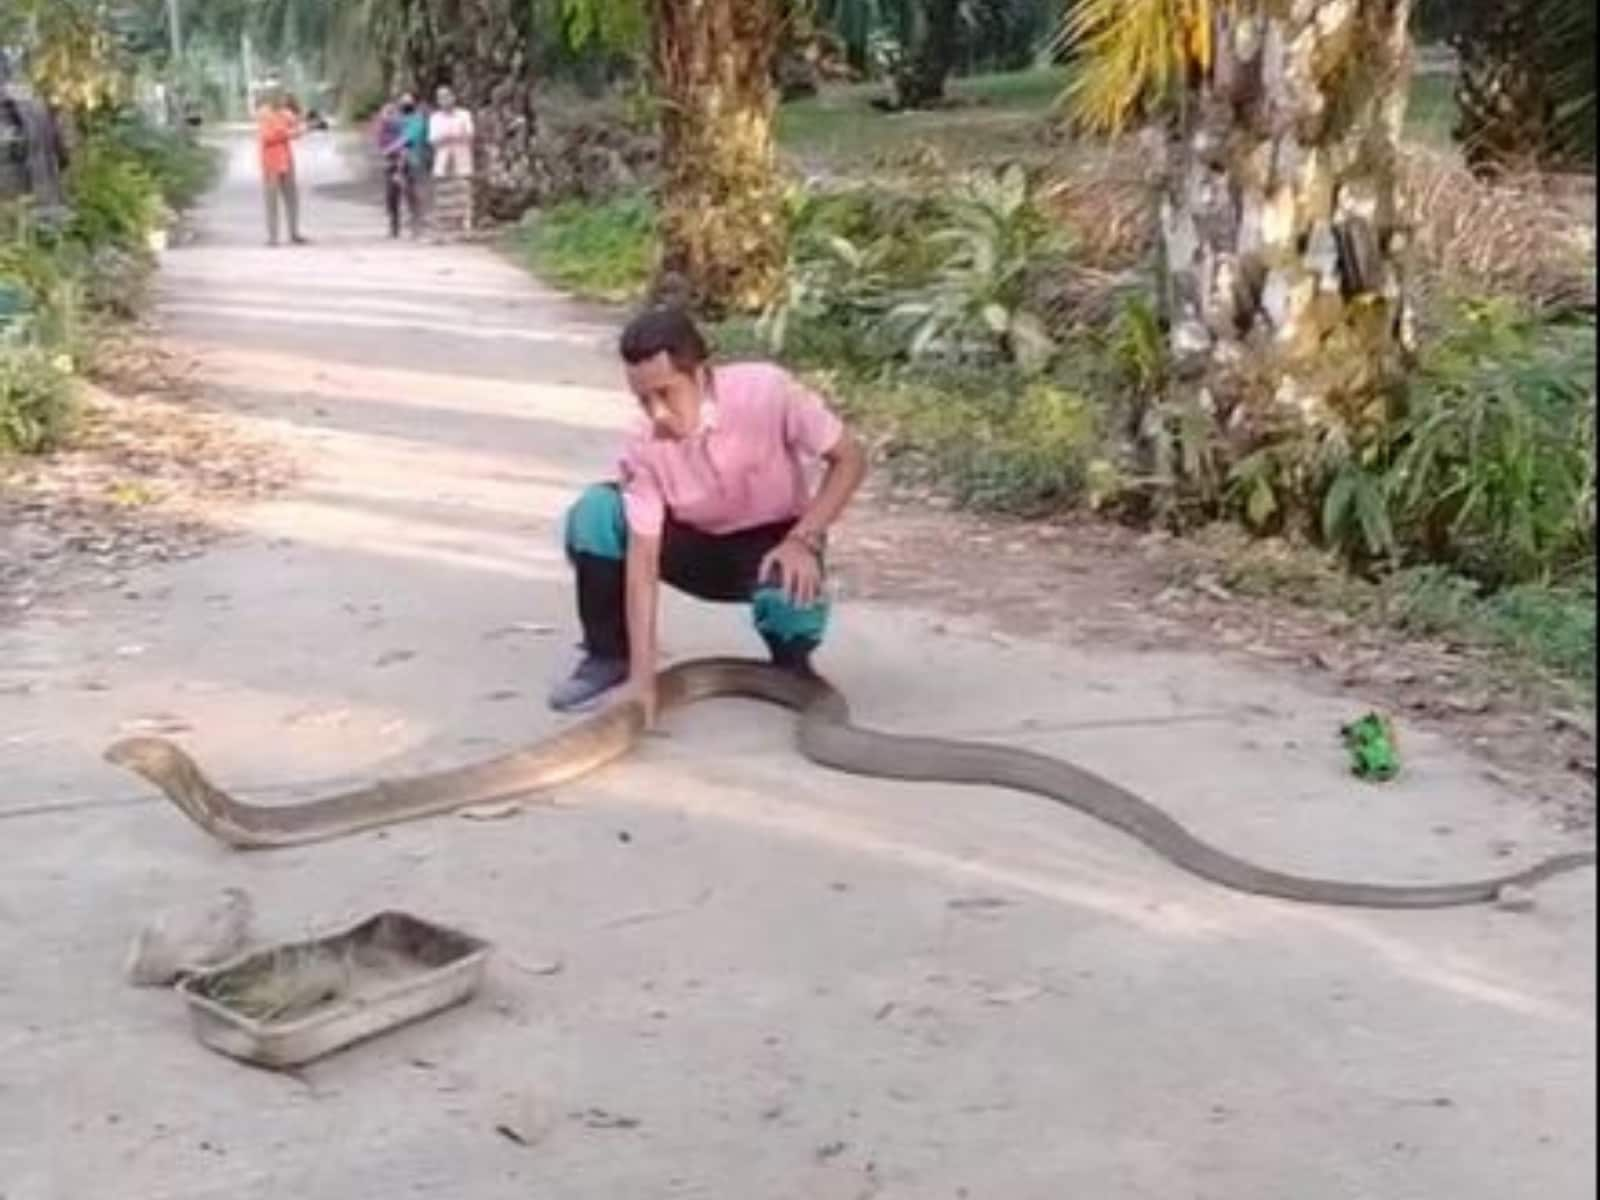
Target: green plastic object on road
{"type": "Point", "coordinates": [1371, 742]}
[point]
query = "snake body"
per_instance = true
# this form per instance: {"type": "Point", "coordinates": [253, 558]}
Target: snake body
{"type": "Point", "coordinates": [825, 735]}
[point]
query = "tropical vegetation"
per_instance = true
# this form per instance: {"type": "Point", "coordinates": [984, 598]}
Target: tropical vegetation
{"type": "Point", "coordinates": [1178, 261]}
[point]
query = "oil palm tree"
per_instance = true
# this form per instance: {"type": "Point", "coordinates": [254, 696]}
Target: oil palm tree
{"type": "Point", "coordinates": [933, 37]}
{"type": "Point", "coordinates": [1280, 280]}
{"type": "Point", "coordinates": [721, 214]}
{"type": "Point", "coordinates": [68, 49]}
{"type": "Point", "coordinates": [1526, 86]}
{"type": "Point", "coordinates": [933, 30]}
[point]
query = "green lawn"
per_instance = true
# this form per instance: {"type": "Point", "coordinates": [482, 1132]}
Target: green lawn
{"type": "Point", "coordinates": [994, 117]}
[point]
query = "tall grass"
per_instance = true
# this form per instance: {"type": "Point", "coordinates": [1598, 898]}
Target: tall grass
{"type": "Point", "coordinates": [601, 250]}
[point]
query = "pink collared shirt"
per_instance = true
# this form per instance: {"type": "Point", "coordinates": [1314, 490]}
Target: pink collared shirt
{"type": "Point", "coordinates": [751, 463]}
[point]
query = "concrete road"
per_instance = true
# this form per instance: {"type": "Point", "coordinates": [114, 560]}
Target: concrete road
{"type": "Point", "coordinates": [720, 972]}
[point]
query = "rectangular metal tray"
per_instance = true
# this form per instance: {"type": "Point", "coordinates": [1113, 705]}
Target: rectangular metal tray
{"type": "Point", "coordinates": [285, 1005]}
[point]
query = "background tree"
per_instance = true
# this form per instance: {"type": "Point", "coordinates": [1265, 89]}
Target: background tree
{"type": "Point", "coordinates": [721, 212]}
{"type": "Point", "coordinates": [932, 47]}
{"type": "Point", "coordinates": [1280, 281]}
{"type": "Point", "coordinates": [72, 54]}
{"type": "Point", "coordinates": [1526, 85]}
{"type": "Point", "coordinates": [922, 44]}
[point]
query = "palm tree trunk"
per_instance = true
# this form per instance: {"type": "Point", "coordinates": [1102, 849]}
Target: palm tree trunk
{"type": "Point", "coordinates": [1525, 91]}
{"type": "Point", "coordinates": [1282, 283]}
{"type": "Point", "coordinates": [932, 54]}
{"type": "Point", "coordinates": [721, 218]}
{"type": "Point", "coordinates": [493, 79]}
{"type": "Point", "coordinates": [1501, 89]}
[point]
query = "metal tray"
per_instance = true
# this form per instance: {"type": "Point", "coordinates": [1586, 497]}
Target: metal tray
{"type": "Point", "coordinates": [285, 1005]}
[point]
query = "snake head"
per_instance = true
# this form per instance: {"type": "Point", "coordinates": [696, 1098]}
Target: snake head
{"type": "Point", "coordinates": [162, 763]}
{"type": "Point", "coordinates": [155, 758]}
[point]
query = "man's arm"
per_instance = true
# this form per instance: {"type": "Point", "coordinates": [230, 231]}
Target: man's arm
{"type": "Point", "coordinates": [847, 467]}
{"type": "Point", "coordinates": [643, 574]}
{"type": "Point", "coordinates": [644, 512]}
{"type": "Point", "coordinates": [797, 560]}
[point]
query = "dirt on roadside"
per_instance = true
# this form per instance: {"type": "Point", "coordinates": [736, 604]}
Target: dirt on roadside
{"type": "Point", "coordinates": [1095, 582]}
{"type": "Point", "coordinates": [141, 480]}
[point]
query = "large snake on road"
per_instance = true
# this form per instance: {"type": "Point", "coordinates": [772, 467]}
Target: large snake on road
{"type": "Point", "coordinates": [825, 735]}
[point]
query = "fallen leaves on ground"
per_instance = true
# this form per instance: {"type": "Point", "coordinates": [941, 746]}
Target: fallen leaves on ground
{"type": "Point", "coordinates": [146, 470]}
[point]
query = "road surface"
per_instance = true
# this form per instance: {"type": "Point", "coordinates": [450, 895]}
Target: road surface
{"type": "Point", "coordinates": [720, 972]}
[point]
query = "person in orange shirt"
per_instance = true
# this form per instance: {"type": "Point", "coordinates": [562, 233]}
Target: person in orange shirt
{"type": "Point", "coordinates": [277, 125]}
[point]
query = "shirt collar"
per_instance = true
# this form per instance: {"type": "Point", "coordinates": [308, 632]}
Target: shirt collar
{"type": "Point", "coordinates": [708, 415]}
{"type": "Point", "coordinates": [709, 409]}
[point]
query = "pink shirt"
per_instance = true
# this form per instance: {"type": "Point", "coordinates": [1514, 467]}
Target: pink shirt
{"type": "Point", "coordinates": [761, 430]}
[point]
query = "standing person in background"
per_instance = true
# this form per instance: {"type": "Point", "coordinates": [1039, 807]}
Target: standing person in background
{"type": "Point", "coordinates": [276, 128]}
{"type": "Point", "coordinates": [387, 127]}
{"type": "Point", "coordinates": [450, 135]}
{"type": "Point", "coordinates": [399, 173]}
{"type": "Point", "coordinates": [414, 125]}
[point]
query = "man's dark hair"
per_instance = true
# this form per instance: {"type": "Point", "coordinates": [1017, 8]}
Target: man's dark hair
{"type": "Point", "coordinates": [664, 329]}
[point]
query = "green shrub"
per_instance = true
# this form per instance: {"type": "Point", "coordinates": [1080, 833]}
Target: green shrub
{"type": "Point", "coordinates": [1551, 626]}
{"type": "Point", "coordinates": [181, 167]}
{"type": "Point", "coordinates": [117, 280]}
{"type": "Point", "coordinates": [36, 392]}
{"type": "Point", "coordinates": [122, 178]}
{"type": "Point", "coordinates": [911, 275]}
{"type": "Point", "coordinates": [1485, 467]}
{"type": "Point", "coordinates": [832, 310]}
{"type": "Point", "coordinates": [114, 199]}
{"type": "Point", "coordinates": [602, 251]}
{"type": "Point", "coordinates": [995, 439]}
{"type": "Point", "coordinates": [43, 276]}
{"type": "Point", "coordinates": [896, 223]}
{"type": "Point", "coordinates": [973, 307]}
{"type": "Point", "coordinates": [1494, 468]}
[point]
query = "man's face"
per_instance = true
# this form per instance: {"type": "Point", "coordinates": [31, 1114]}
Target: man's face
{"type": "Point", "coordinates": [669, 397]}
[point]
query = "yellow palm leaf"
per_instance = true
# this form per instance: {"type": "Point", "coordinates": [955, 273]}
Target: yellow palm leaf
{"type": "Point", "coordinates": [1129, 51]}
{"type": "Point", "coordinates": [1199, 16]}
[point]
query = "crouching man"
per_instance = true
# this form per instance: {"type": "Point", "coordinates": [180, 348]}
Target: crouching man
{"type": "Point", "coordinates": [714, 497]}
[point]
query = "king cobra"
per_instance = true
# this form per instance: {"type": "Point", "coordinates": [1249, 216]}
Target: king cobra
{"type": "Point", "coordinates": [825, 736]}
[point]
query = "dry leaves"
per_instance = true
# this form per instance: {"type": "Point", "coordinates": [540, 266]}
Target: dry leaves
{"type": "Point", "coordinates": [145, 470]}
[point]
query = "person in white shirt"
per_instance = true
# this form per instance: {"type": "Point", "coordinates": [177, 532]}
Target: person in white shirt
{"type": "Point", "coordinates": [450, 134]}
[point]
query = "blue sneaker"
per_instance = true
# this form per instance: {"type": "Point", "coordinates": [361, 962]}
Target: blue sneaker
{"type": "Point", "coordinates": [592, 680]}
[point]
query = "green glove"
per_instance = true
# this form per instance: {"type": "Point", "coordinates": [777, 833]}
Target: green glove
{"type": "Point", "coordinates": [1373, 754]}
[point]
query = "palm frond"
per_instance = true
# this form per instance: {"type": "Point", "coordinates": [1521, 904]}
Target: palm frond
{"type": "Point", "coordinates": [1567, 28]}
{"type": "Point", "coordinates": [1131, 53]}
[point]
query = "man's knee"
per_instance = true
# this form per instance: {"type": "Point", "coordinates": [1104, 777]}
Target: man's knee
{"type": "Point", "coordinates": [778, 619]}
{"type": "Point", "coordinates": [596, 524]}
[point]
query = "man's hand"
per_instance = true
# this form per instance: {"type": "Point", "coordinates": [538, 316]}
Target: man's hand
{"type": "Point", "coordinates": [798, 571]}
{"type": "Point", "coordinates": [643, 688]}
